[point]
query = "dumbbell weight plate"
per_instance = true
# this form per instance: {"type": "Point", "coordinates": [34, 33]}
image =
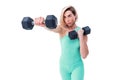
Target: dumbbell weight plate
{"type": "Point", "coordinates": [51, 21]}
{"type": "Point", "coordinates": [73, 35]}
{"type": "Point", "coordinates": [27, 23]}
{"type": "Point", "coordinates": [87, 30]}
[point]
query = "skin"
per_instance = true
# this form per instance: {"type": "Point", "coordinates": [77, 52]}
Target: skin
{"type": "Point", "coordinates": [69, 19]}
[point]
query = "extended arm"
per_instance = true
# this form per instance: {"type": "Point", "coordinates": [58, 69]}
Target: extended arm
{"type": "Point", "coordinates": [40, 22]}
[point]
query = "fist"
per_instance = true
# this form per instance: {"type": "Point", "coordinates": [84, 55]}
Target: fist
{"type": "Point", "coordinates": [39, 21]}
{"type": "Point", "coordinates": [81, 36]}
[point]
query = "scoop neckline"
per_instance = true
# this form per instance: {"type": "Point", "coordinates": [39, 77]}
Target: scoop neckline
{"type": "Point", "coordinates": [68, 32]}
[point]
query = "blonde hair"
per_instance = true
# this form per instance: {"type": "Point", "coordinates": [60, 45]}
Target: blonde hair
{"type": "Point", "coordinates": [72, 9]}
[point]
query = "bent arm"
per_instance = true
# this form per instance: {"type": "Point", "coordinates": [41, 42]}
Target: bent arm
{"type": "Point", "coordinates": [84, 51]}
{"type": "Point", "coordinates": [84, 47]}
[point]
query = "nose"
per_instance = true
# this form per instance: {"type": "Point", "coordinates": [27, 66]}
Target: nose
{"type": "Point", "coordinates": [67, 20]}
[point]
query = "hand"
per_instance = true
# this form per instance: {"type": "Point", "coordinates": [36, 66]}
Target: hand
{"type": "Point", "coordinates": [39, 21]}
{"type": "Point", "coordinates": [81, 36]}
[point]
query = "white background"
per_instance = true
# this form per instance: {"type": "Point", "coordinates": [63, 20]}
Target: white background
{"type": "Point", "coordinates": [34, 54]}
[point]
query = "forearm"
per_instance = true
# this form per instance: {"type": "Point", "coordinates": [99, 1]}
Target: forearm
{"type": "Point", "coordinates": [49, 26]}
{"type": "Point", "coordinates": [83, 48]}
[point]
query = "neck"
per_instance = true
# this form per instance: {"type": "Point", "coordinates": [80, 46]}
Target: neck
{"type": "Point", "coordinates": [70, 28]}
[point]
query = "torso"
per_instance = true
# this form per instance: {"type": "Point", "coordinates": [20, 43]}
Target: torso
{"type": "Point", "coordinates": [70, 50]}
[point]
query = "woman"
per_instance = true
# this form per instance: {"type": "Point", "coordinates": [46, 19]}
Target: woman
{"type": "Point", "coordinates": [71, 64]}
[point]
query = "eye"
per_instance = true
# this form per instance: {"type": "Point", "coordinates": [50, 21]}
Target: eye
{"type": "Point", "coordinates": [69, 15]}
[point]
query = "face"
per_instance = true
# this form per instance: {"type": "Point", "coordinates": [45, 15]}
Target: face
{"type": "Point", "coordinates": [69, 18]}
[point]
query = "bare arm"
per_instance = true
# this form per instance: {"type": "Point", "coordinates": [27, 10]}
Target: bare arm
{"type": "Point", "coordinates": [56, 30]}
{"type": "Point", "coordinates": [40, 22]}
{"type": "Point", "coordinates": [83, 44]}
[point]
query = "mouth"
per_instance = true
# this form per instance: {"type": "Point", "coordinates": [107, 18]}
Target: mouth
{"type": "Point", "coordinates": [68, 23]}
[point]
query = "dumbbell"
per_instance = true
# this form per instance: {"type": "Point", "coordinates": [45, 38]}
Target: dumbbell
{"type": "Point", "coordinates": [50, 22]}
{"type": "Point", "coordinates": [73, 34]}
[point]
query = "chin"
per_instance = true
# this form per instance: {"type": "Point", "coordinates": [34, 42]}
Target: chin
{"type": "Point", "coordinates": [70, 25]}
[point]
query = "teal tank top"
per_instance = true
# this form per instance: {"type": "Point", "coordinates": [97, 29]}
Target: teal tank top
{"type": "Point", "coordinates": [70, 50]}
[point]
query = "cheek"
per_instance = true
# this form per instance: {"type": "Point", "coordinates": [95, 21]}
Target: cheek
{"type": "Point", "coordinates": [66, 20]}
{"type": "Point", "coordinates": [73, 19]}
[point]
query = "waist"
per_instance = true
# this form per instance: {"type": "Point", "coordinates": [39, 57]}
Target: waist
{"type": "Point", "coordinates": [70, 64]}
{"type": "Point", "coordinates": [70, 59]}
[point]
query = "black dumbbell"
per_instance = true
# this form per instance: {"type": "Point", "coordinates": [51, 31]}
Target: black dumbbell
{"type": "Point", "coordinates": [50, 22]}
{"type": "Point", "coordinates": [73, 34]}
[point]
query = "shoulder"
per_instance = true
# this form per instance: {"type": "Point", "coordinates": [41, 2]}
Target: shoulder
{"type": "Point", "coordinates": [62, 31]}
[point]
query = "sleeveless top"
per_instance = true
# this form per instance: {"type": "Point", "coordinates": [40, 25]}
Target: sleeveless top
{"type": "Point", "coordinates": [70, 50]}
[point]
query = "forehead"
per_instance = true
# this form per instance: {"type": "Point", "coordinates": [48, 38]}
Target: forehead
{"type": "Point", "coordinates": [67, 13]}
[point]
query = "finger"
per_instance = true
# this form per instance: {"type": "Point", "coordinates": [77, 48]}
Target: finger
{"type": "Point", "coordinates": [40, 20]}
{"type": "Point", "coordinates": [36, 21]}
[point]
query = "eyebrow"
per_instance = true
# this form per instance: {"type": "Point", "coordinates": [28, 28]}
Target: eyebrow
{"type": "Point", "coordinates": [67, 15]}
